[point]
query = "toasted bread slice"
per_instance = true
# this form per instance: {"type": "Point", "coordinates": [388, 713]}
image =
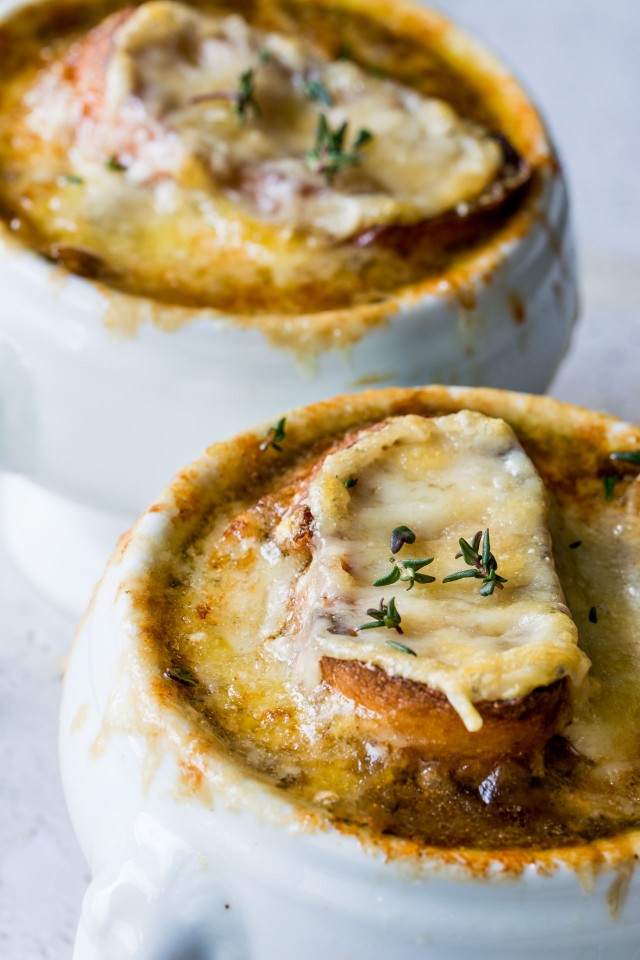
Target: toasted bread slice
{"type": "Point", "coordinates": [461, 224]}
{"type": "Point", "coordinates": [423, 718]}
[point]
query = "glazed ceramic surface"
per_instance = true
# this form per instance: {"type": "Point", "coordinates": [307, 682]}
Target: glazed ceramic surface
{"type": "Point", "coordinates": [93, 422]}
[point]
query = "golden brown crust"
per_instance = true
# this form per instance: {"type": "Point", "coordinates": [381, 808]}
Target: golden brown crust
{"type": "Point", "coordinates": [425, 719]}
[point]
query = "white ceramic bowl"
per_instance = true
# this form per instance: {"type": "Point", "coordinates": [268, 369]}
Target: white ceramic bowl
{"type": "Point", "coordinates": [194, 857]}
{"type": "Point", "coordinates": [93, 422]}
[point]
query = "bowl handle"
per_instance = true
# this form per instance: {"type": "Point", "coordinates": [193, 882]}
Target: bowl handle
{"type": "Point", "coordinates": [163, 902]}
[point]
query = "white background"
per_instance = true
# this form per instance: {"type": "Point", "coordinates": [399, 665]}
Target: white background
{"type": "Point", "coordinates": [580, 59]}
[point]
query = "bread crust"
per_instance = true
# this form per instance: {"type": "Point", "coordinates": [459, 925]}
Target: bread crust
{"type": "Point", "coordinates": [453, 227]}
{"type": "Point", "coordinates": [424, 719]}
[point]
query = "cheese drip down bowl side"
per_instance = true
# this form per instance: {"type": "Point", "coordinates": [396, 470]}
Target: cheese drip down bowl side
{"type": "Point", "coordinates": [105, 393]}
{"type": "Point", "coordinates": [195, 848]}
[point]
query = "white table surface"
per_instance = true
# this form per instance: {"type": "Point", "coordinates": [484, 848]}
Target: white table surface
{"type": "Point", "coordinates": [581, 60]}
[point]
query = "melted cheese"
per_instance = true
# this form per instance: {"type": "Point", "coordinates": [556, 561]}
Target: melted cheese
{"type": "Point", "coordinates": [444, 478]}
{"type": "Point", "coordinates": [157, 90]}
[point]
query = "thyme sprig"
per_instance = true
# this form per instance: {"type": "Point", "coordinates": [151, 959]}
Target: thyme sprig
{"type": "Point", "coordinates": [399, 536]}
{"type": "Point", "coordinates": [407, 572]}
{"type": "Point", "coordinates": [274, 436]}
{"type": "Point", "coordinates": [243, 98]}
{"type": "Point", "coordinates": [483, 565]}
{"type": "Point", "coordinates": [386, 615]}
{"type": "Point", "coordinates": [329, 155]}
{"type": "Point", "coordinates": [619, 459]}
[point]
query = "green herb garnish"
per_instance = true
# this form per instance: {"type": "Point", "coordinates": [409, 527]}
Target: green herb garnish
{"type": "Point", "coordinates": [245, 99]}
{"type": "Point", "coordinates": [72, 178]}
{"type": "Point", "coordinates": [407, 572]}
{"type": "Point", "coordinates": [401, 647]}
{"type": "Point", "coordinates": [274, 437]}
{"type": "Point", "coordinates": [386, 615]}
{"type": "Point", "coordinates": [316, 90]}
{"type": "Point", "coordinates": [484, 565]}
{"type": "Point", "coordinates": [400, 536]}
{"type": "Point", "coordinates": [593, 616]}
{"type": "Point", "coordinates": [378, 72]}
{"type": "Point", "coordinates": [329, 155]}
{"type": "Point", "coordinates": [350, 482]}
{"type": "Point", "coordinates": [115, 165]}
{"type": "Point", "coordinates": [609, 483]}
{"type": "Point", "coordinates": [181, 675]}
{"type": "Point", "coordinates": [627, 456]}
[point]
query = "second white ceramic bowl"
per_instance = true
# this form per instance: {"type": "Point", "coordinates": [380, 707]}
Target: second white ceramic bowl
{"type": "Point", "coordinates": [93, 422]}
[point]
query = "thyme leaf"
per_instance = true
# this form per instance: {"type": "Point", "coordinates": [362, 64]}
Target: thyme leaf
{"type": "Point", "coordinates": [181, 675]}
{"type": "Point", "coordinates": [609, 482]}
{"type": "Point", "coordinates": [274, 436]}
{"type": "Point", "coordinates": [484, 565]}
{"type": "Point", "coordinates": [344, 52]}
{"type": "Point", "coordinates": [245, 98]}
{"type": "Point", "coordinates": [73, 178]}
{"type": "Point", "coordinates": [627, 456]}
{"type": "Point", "coordinates": [115, 165]}
{"type": "Point", "coordinates": [329, 155]}
{"type": "Point", "coordinates": [401, 646]}
{"type": "Point", "coordinates": [350, 482]}
{"type": "Point", "coordinates": [363, 137]}
{"type": "Point", "coordinates": [407, 572]}
{"type": "Point", "coordinates": [316, 90]}
{"type": "Point", "coordinates": [399, 536]}
{"type": "Point", "coordinates": [386, 615]}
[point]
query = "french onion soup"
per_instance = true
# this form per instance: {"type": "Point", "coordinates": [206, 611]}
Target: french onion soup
{"type": "Point", "coordinates": [415, 612]}
{"type": "Point", "coordinates": [273, 156]}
